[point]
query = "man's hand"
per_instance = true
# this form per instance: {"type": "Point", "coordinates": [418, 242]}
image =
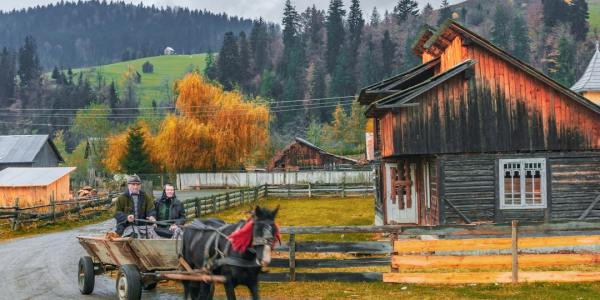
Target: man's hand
{"type": "Point", "coordinates": [173, 227]}
{"type": "Point", "coordinates": [130, 218]}
{"type": "Point", "coordinates": [151, 218]}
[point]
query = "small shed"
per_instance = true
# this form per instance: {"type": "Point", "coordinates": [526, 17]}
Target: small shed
{"type": "Point", "coordinates": [28, 151]}
{"type": "Point", "coordinates": [34, 186]}
{"type": "Point", "coordinates": [302, 154]}
{"type": "Point", "coordinates": [169, 51]}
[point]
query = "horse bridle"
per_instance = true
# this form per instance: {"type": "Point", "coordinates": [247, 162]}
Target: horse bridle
{"type": "Point", "coordinates": [267, 237]}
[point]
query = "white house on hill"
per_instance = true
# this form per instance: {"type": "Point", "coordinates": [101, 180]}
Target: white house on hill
{"type": "Point", "coordinates": [169, 51]}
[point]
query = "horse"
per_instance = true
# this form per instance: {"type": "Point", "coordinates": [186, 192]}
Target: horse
{"type": "Point", "coordinates": [237, 251]}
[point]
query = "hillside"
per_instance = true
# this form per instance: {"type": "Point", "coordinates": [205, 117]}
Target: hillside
{"type": "Point", "coordinates": [154, 85]}
{"type": "Point", "coordinates": [594, 8]}
{"type": "Point", "coordinates": [89, 33]}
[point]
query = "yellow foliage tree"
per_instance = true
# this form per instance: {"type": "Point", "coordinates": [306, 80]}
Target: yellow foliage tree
{"type": "Point", "coordinates": [214, 129]}
{"type": "Point", "coordinates": [117, 147]}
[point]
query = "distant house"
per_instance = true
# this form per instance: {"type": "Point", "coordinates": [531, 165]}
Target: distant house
{"type": "Point", "coordinates": [169, 51]}
{"type": "Point", "coordinates": [34, 186]}
{"type": "Point", "coordinates": [589, 83]}
{"type": "Point", "coordinates": [302, 154]}
{"type": "Point", "coordinates": [28, 151]}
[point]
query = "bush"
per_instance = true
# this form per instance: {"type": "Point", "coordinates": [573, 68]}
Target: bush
{"type": "Point", "coordinates": [148, 67]}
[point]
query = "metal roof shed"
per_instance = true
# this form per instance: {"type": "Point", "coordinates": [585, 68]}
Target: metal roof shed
{"type": "Point", "coordinates": [34, 186]}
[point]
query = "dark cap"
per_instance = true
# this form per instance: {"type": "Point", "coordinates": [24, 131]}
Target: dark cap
{"type": "Point", "coordinates": [133, 179]}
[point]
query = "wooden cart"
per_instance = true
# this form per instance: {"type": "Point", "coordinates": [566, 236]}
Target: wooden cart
{"type": "Point", "coordinates": [141, 264]}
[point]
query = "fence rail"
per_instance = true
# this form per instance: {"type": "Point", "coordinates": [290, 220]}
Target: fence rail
{"type": "Point", "coordinates": [316, 190]}
{"type": "Point", "coordinates": [200, 206]}
{"type": "Point", "coordinates": [372, 254]}
{"type": "Point", "coordinates": [482, 247]}
{"type": "Point", "coordinates": [17, 215]}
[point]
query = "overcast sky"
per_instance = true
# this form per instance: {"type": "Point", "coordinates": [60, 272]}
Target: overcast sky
{"type": "Point", "coordinates": [268, 9]}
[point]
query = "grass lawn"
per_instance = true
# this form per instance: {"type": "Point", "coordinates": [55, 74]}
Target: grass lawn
{"type": "Point", "coordinates": [359, 211]}
{"type": "Point", "coordinates": [167, 69]}
{"type": "Point", "coordinates": [594, 10]}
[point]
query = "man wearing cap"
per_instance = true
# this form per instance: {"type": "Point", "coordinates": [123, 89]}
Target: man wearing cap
{"type": "Point", "coordinates": [133, 204]}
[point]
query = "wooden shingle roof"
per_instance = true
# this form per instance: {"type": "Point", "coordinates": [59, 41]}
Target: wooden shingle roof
{"type": "Point", "coordinates": [590, 80]}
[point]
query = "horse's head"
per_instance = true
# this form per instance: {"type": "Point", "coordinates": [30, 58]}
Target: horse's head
{"type": "Point", "coordinates": [264, 233]}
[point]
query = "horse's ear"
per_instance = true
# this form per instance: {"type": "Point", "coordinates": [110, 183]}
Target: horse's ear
{"type": "Point", "coordinates": [258, 212]}
{"type": "Point", "coordinates": [275, 211]}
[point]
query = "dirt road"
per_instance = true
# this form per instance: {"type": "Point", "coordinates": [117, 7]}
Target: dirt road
{"type": "Point", "coordinates": [45, 267]}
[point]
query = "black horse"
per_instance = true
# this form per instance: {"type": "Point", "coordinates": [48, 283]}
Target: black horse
{"type": "Point", "coordinates": [236, 251]}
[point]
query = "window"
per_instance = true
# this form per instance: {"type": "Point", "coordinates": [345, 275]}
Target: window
{"type": "Point", "coordinates": [522, 183]}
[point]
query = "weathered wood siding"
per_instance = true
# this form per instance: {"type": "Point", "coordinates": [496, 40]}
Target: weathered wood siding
{"type": "Point", "coordinates": [46, 157]}
{"type": "Point", "coordinates": [575, 184]}
{"type": "Point", "coordinates": [499, 109]}
{"type": "Point", "coordinates": [36, 195]}
{"type": "Point", "coordinates": [299, 156]}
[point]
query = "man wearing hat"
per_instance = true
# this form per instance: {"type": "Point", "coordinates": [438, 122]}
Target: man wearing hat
{"type": "Point", "coordinates": [133, 204]}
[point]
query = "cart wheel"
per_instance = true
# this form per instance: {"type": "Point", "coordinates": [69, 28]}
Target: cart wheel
{"type": "Point", "coordinates": [129, 283]}
{"type": "Point", "coordinates": [149, 286]}
{"type": "Point", "coordinates": [85, 275]}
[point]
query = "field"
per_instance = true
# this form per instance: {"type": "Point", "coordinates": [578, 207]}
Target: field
{"type": "Point", "coordinates": [594, 9]}
{"type": "Point", "coordinates": [155, 85]}
{"type": "Point", "coordinates": [359, 211]}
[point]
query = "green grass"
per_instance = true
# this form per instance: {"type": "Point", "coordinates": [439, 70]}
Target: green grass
{"type": "Point", "coordinates": [153, 86]}
{"type": "Point", "coordinates": [594, 10]}
{"type": "Point", "coordinates": [314, 212]}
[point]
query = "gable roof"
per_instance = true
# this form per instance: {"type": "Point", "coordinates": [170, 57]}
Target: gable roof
{"type": "Point", "coordinates": [439, 41]}
{"type": "Point", "coordinates": [13, 177]}
{"type": "Point", "coordinates": [311, 145]}
{"type": "Point", "coordinates": [590, 80]}
{"type": "Point", "coordinates": [24, 148]}
{"type": "Point", "coordinates": [393, 84]}
{"type": "Point", "coordinates": [401, 98]}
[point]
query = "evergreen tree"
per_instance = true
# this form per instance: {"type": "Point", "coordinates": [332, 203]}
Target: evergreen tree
{"type": "Point", "coordinates": [335, 33]}
{"type": "Point", "coordinates": [579, 16]}
{"type": "Point", "coordinates": [55, 74]}
{"type": "Point", "coordinates": [445, 12]}
{"type": "Point", "coordinates": [388, 52]}
{"type": "Point", "coordinates": [148, 67]}
{"type": "Point", "coordinates": [554, 11]}
{"type": "Point", "coordinates": [405, 8]}
{"type": "Point", "coordinates": [136, 161]}
{"type": "Point", "coordinates": [520, 38]}
{"type": "Point", "coordinates": [375, 18]}
{"type": "Point", "coordinates": [427, 14]}
{"type": "Point", "coordinates": [228, 62]}
{"type": "Point", "coordinates": [341, 79]}
{"type": "Point", "coordinates": [410, 58]}
{"type": "Point", "coordinates": [210, 66]}
{"type": "Point", "coordinates": [355, 26]}
{"type": "Point", "coordinates": [259, 45]}
{"type": "Point", "coordinates": [291, 25]}
{"type": "Point", "coordinates": [564, 71]}
{"type": "Point", "coordinates": [316, 23]}
{"type": "Point", "coordinates": [29, 66]}
{"type": "Point", "coordinates": [369, 66]}
{"type": "Point", "coordinates": [502, 30]}
{"type": "Point", "coordinates": [245, 71]}
{"type": "Point", "coordinates": [7, 77]}
{"type": "Point", "coordinates": [318, 90]}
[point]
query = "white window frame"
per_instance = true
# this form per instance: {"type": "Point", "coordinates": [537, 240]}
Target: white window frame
{"type": "Point", "coordinates": [523, 204]}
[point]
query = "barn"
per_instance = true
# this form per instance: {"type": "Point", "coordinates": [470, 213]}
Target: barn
{"type": "Point", "coordinates": [28, 151]}
{"type": "Point", "coordinates": [476, 135]}
{"type": "Point", "coordinates": [303, 155]}
{"type": "Point", "coordinates": [34, 186]}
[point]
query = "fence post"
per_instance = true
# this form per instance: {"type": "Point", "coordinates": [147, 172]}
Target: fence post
{"type": "Point", "coordinates": [242, 196]}
{"type": "Point", "coordinates": [515, 252]}
{"type": "Point", "coordinates": [288, 192]}
{"type": "Point", "coordinates": [266, 190]}
{"type": "Point", "coordinates": [52, 202]}
{"type": "Point", "coordinates": [343, 189]}
{"type": "Point", "coordinates": [198, 208]}
{"type": "Point", "coordinates": [15, 223]}
{"type": "Point", "coordinates": [78, 207]}
{"type": "Point", "coordinates": [227, 200]}
{"type": "Point", "coordinates": [255, 194]}
{"type": "Point", "coordinates": [214, 204]}
{"type": "Point", "coordinates": [309, 191]}
{"type": "Point", "coordinates": [292, 246]}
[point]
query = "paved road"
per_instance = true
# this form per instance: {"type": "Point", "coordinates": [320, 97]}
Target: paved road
{"type": "Point", "coordinates": [45, 267]}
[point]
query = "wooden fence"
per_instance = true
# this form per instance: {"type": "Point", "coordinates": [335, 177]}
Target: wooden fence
{"type": "Point", "coordinates": [372, 253]}
{"type": "Point", "coordinates": [498, 247]}
{"type": "Point", "coordinates": [17, 215]}
{"type": "Point", "coordinates": [318, 190]}
{"type": "Point", "coordinates": [200, 206]}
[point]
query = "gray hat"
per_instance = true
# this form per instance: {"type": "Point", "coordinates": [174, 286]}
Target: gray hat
{"type": "Point", "coordinates": [133, 179]}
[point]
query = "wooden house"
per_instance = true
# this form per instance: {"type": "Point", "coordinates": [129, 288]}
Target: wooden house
{"type": "Point", "coordinates": [302, 155]}
{"type": "Point", "coordinates": [476, 135]}
{"type": "Point", "coordinates": [34, 186]}
{"type": "Point", "coordinates": [28, 151]}
{"type": "Point", "coordinates": [589, 83]}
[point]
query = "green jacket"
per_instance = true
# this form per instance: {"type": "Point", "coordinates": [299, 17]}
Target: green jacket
{"type": "Point", "coordinates": [124, 207]}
